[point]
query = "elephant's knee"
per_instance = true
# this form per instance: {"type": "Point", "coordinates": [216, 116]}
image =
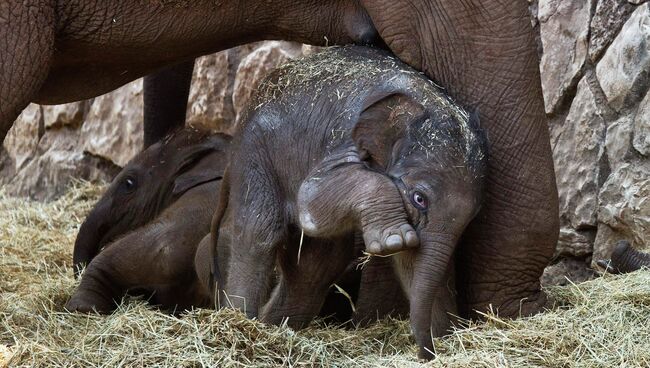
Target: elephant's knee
{"type": "Point", "coordinates": [308, 222]}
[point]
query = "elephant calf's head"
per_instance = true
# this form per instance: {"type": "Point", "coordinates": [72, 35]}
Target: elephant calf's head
{"type": "Point", "coordinates": [436, 155]}
{"type": "Point", "coordinates": [149, 183]}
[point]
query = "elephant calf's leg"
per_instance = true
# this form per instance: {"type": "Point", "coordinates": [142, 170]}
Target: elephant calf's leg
{"type": "Point", "coordinates": [308, 271]}
{"type": "Point", "coordinates": [258, 228]}
{"type": "Point", "coordinates": [380, 293]}
{"type": "Point", "coordinates": [350, 197]}
{"type": "Point", "coordinates": [26, 46]}
{"type": "Point", "coordinates": [143, 258]}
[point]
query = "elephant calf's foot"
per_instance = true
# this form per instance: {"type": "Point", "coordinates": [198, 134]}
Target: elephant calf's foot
{"type": "Point", "coordinates": [381, 240]}
{"type": "Point", "coordinates": [88, 302]}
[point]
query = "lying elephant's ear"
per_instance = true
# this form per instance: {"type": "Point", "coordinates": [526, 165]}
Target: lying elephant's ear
{"type": "Point", "coordinates": [202, 163]}
{"type": "Point", "coordinates": [382, 122]}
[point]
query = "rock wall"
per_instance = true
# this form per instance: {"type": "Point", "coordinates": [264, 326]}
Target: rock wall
{"type": "Point", "coordinates": [595, 65]}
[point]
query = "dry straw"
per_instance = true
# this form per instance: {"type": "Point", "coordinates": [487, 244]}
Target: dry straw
{"type": "Point", "coordinates": [601, 323]}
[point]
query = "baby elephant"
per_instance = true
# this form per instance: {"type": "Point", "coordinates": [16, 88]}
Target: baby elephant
{"type": "Point", "coordinates": [347, 140]}
{"type": "Point", "coordinates": [150, 223]}
{"type": "Point", "coordinates": [144, 232]}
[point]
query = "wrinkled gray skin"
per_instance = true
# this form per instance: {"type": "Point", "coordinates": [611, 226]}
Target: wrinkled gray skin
{"type": "Point", "coordinates": [58, 51]}
{"type": "Point", "coordinates": [346, 140]}
{"type": "Point", "coordinates": [625, 259]}
{"type": "Point", "coordinates": [484, 53]}
{"type": "Point", "coordinates": [144, 232]}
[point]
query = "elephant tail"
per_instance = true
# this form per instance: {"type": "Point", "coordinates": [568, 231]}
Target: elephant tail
{"type": "Point", "coordinates": [216, 280]}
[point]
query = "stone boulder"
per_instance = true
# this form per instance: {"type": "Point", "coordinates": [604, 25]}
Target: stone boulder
{"type": "Point", "coordinates": [609, 17]}
{"type": "Point", "coordinates": [624, 70]}
{"type": "Point", "coordinates": [113, 128]}
{"type": "Point", "coordinates": [22, 139]}
{"type": "Point", "coordinates": [72, 114]}
{"type": "Point", "coordinates": [624, 209]}
{"type": "Point", "coordinates": [564, 29]}
{"type": "Point", "coordinates": [256, 65]}
{"type": "Point", "coordinates": [59, 159]}
{"type": "Point", "coordinates": [577, 151]}
{"type": "Point", "coordinates": [212, 110]}
{"type": "Point", "coordinates": [641, 129]}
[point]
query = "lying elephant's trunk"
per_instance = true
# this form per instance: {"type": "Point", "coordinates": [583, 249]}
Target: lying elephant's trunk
{"type": "Point", "coordinates": [88, 241]}
{"type": "Point", "coordinates": [627, 259]}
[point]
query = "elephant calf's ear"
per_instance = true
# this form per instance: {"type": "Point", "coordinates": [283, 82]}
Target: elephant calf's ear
{"type": "Point", "coordinates": [204, 171]}
{"type": "Point", "coordinates": [202, 163]}
{"type": "Point", "coordinates": [381, 123]}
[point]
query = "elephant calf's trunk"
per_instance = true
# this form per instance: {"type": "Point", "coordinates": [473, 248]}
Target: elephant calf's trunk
{"type": "Point", "coordinates": [428, 274]}
{"type": "Point", "coordinates": [627, 259]}
{"type": "Point", "coordinates": [86, 246]}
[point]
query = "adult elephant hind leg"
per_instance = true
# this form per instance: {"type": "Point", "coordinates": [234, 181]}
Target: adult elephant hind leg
{"type": "Point", "coordinates": [26, 47]}
{"type": "Point", "coordinates": [307, 272]}
{"type": "Point", "coordinates": [506, 248]}
{"type": "Point", "coordinates": [351, 198]}
{"type": "Point", "coordinates": [512, 239]}
{"type": "Point", "coordinates": [165, 100]}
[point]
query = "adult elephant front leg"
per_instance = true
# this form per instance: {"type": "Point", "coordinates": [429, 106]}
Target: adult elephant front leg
{"type": "Point", "coordinates": [26, 47]}
{"type": "Point", "coordinates": [165, 100]}
{"type": "Point", "coordinates": [484, 53]}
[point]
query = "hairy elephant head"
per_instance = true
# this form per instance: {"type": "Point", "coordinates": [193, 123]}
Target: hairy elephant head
{"type": "Point", "coordinates": [149, 183]}
{"type": "Point", "coordinates": [436, 155]}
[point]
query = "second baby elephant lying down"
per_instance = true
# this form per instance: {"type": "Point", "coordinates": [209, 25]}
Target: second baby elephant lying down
{"type": "Point", "coordinates": [347, 141]}
{"type": "Point", "coordinates": [144, 232]}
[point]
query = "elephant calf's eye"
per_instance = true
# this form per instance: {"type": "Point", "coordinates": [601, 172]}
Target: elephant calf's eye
{"type": "Point", "coordinates": [419, 200]}
{"type": "Point", "coordinates": [129, 184]}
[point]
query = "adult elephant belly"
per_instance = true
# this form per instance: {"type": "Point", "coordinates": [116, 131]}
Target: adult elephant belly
{"type": "Point", "coordinates": [69, 82]}
{"type": "Point", "coordinates": [484, 52]}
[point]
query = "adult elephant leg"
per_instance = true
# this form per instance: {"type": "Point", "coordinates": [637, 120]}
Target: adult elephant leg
{"type": "Point", "coordinates": [165, 100]}
{"type": "Point", "coordinates": [26, 47]}
{"type": "Point", "coordinates": [484, 53]}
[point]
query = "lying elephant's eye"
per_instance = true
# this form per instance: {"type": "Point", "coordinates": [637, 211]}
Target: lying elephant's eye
{"type": "Point", "coordinates": [129, 184]}
{"type": "Point", "coordinates": [419, 200]}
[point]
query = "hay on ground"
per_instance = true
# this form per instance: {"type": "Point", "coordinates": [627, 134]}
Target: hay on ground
{"type": "Point", "coordinates": [600, 323]}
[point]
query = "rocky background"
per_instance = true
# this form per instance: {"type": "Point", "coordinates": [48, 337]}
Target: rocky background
{"type": "Point", "coordinates": [595, 68]}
